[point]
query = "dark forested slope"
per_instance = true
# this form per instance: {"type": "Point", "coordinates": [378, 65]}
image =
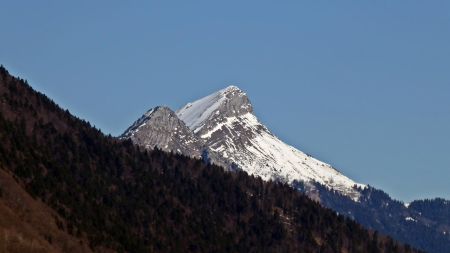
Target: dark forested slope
{"type": "Point", "coordinates": [114, 195]}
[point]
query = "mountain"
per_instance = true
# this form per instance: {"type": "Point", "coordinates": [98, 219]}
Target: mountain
{"type": "Point", "coordinates": [108, 195]}
{"type": "Point", "coordinates": [233, 137]}
{"type": "Point", "coordinates": [224, 126]}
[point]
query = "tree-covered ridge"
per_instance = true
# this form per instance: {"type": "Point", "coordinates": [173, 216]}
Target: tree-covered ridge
{"type": "Point", "coordinates": [424, 223]}
{"type": "Point", "coordinates": [131, 200]}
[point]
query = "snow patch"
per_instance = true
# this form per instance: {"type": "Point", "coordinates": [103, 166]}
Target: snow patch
{"type": "Point", "coordinates": [410, 219]}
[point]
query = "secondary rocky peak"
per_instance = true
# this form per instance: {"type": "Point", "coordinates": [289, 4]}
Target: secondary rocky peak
{"type": "Point", "coordinates": [159, 111]}
{"type": "Point", "coordinates": [160, 127]}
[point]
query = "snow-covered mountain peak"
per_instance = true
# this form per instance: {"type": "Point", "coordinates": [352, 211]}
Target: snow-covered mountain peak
{"type": "Point", "coordinates": [230, 101]}
{"type": "Point", "coordinates": [227, 125]}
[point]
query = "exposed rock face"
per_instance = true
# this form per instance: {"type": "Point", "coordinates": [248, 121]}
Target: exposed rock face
{"type": "Point", "coordinates": [160, 127]}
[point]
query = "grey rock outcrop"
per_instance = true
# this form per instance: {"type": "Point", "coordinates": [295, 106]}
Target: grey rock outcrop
{"type": "Point", "coordinates": [160, 127]}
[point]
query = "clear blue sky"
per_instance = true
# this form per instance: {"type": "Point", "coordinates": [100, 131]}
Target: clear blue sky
{"type": "Point", "coordinates": [363, 85]}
